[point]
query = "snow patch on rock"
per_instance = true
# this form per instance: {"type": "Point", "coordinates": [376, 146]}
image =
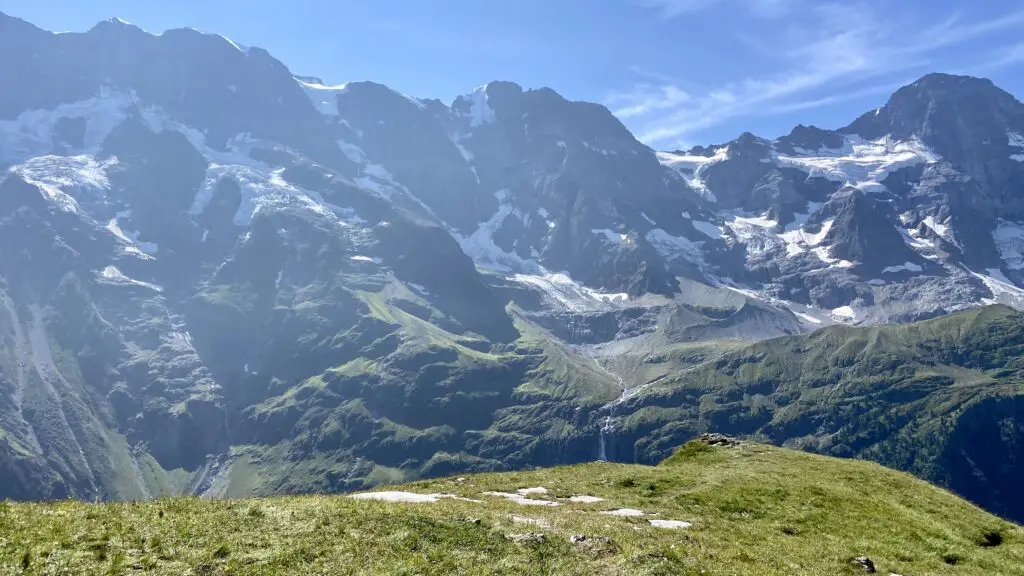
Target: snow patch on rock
{"type": "Point", "coordinates": [806, 317]}
{"type": "Point", "coordinates": [31, 133]}
{"type": "Point", "coordinates": [1009, 239]}
{"type": "Point", "coordinates": [563, 293]}
{"type": "Point", "coordinates": [324, 98]}
{"type": "Point", "coordinates": [799, 241]}
{"type": "Point", "coordinates": [1003, 290]}
{"type": "Point", "coordinates": [905, 267]}
{"type": "Point", "coordinates": [360, 258]}
{"type": "Point", "coordinates": [80, 176]}
{"type": "Point", "coordinates": [708, 229]}
{"type": "Point", "coordinates": [261, 187]}
{"type": "Point", "coordinates": [352, 152]}
{"type": "Point", "coordinates": [673, 247]}
{"type": "Point", "coordinates": [112, 274]}
{"type": "Point", "coordinates": [480, 245]}
{"type": "Point", "coordinates": [1017, 141]}
{"type": "Point", "coordinates": [844, 314]}
{"type": "Point", "coordinates": [480, 111]}
{"type": "Point", "coordinates": [612, 236]}
{"type": "Point", "coordinates": [861, 163]}
{"type": "Point", "coordinates": [692, 169]}
{"type": "Point", "coordinates": [942, 229]}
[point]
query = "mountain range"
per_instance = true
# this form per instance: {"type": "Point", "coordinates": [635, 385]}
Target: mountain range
{"type": "Point", "coordinates": [221, 278]}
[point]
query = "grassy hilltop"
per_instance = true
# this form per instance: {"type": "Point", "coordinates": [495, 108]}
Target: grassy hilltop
{"type": "Point", "coordinates": [736, 509]}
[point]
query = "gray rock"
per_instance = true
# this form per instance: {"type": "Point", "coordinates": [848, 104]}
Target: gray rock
{"type": "Point", "coordinates": [865, 563]}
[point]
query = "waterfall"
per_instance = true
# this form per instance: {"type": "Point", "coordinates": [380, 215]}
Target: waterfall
{"type": "Point", "coordinates": [607, 429]}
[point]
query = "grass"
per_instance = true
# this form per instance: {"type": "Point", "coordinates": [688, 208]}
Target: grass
{"type": "Point", "coordinates": [755, 510]}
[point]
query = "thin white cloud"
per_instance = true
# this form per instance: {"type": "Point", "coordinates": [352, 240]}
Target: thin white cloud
{"type": "Point", "coordinates": [673, 8]}
{"type": "Point", "coordinates": [644, 99]}
{"type": "Point", "coordinates": [839, 98]}
{"type": "Point", "coordinates": [1002, 58]}
{"type": "Point", "coordinates": [834, 47]}
{"type": "Point", "coordinates": [763, 8]}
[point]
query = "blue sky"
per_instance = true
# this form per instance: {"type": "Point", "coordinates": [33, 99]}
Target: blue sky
{"type": "Point", "coordinates": [677, 72]}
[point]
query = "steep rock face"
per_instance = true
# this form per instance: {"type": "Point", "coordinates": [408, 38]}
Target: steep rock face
{"type": "Point", "coordinates": [526, 179]}
{"type": "Point", "coordinates": [862, 231]}
{"type": "Point", "coordinates": [975, 127]}
{"type": "Point", "coordinates": [929, 187]}
{"type": "Point", "coordinates": [204, 81]}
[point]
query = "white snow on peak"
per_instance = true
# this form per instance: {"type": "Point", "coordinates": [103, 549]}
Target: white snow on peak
{"type": "Point", "coordinates": [116, 231]}
{"type": "Point", "coordinates": [910, 237]}
{"type": "Point", "coordinates": [759, 221]}
{"type": "Point", "coordinates": [1009, 238]}
{"type": "Point", "coordinates": [1017, 141]}
{"type": "Point", "coordinates": [755, 239]}
{"type": "Point", "coordinates": [360, 258]}
{"type": "Point", "coordinates": [942, 229]}
{"type": "Point", "coordinates": [568, 295]}
{"type": "Point", "coordinates": [708, 229]}
{"type": "Point", "coordinates": [112, 274]}
{"type": "Point", "coordinates": [1003, 290]}
{"type": "Point", "coordinates": [144, 250]}
{"type": "Point", "coordinates": [861, 163]}
{"type": "Point", "coordinates": [799, 241]}
{"type": "Point", "coordinates": [457, 140]}
{"type": "Point", "coordinates": [324, 98]}
{"type": "Point", "coordinates": [235, 45]}
{"type": "Point", "coordinates": [480, 245]}
{"type": "Point", "coordinates": [65, 179]}
{"type": "Point", "coordinates": [692, 168]}
{"type": "Point", "coordinates": [674, 247]}
{"type": "Point", "coordinates": [260, 186]}
{"type": "Point", "coordinates": [352, 152]}
{"type": "Point", "coordinates": [31, 133]}
{"type": "Point", "coordinates": [844, 314]}
{"type": "Point", "coordinates": [480, 111]}
{"type": "Point", "coordinates": [466, 154]}
{"type": "Point", "coordinates": [756, 232]}
{"type": "Point", "coordinates": [612, 236]}
{"type": "Point", "coordinates": [601, 151]}
{"type": "Point", "coordinates": [806, 317]}
{"type": "Point", "coordinates": [906, 266]}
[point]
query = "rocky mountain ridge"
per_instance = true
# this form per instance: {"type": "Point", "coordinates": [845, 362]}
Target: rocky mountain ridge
{"type": "Point", "coordinates": [226, 279]}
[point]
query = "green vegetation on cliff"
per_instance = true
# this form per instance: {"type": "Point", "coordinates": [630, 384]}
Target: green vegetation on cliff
{"type": "Point", "coordinates": [943, 399]}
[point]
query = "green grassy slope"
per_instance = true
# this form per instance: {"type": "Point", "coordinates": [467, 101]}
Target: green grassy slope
{"type": "Point", "coordinates": [754, 509]}
{"type": "Point", "coordinates": [943, 399]}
